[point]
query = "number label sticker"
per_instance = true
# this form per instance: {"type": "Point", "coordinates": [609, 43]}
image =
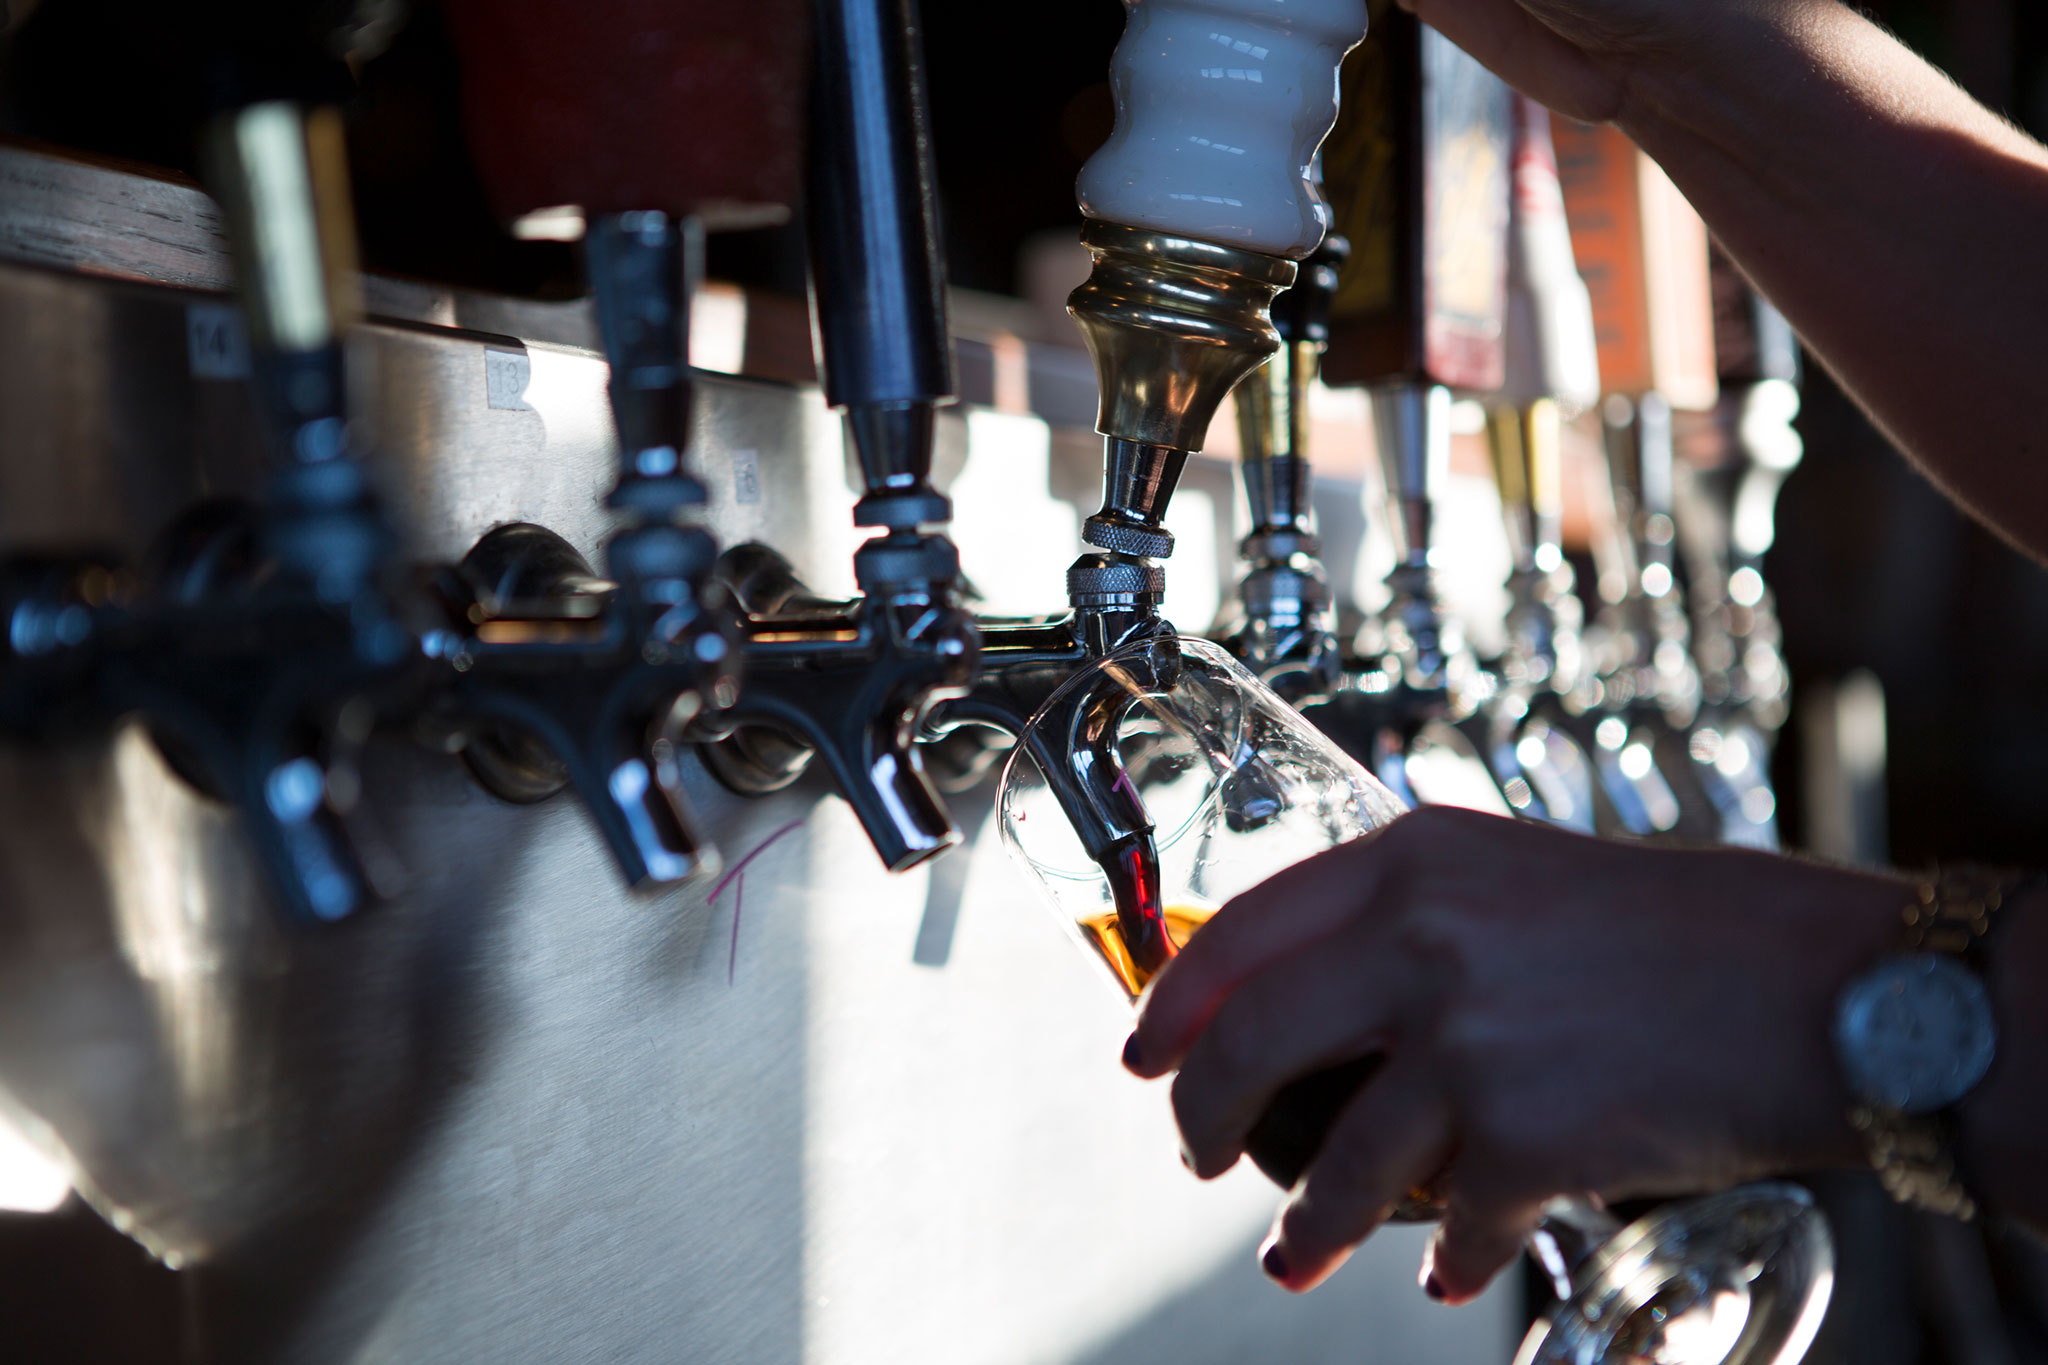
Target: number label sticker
{"type": "Point", "coordinates": [216, 341]}
{"type": "Point", "coordinates": [746, 475]}
{"type": "Point", "coordinates": [506, 375]}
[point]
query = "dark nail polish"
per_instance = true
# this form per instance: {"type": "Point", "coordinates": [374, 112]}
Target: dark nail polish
{"type": "Point", "coordinates": [1133, 1059]}
{"type": "Point", "coordinates": [1187, 1159]}
{"type": "Point", "coordinates": [1433, 1287]}
{"type": "Point", "coordinates": [1275, 1263]}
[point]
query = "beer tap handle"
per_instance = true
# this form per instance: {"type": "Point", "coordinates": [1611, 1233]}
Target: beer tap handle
{"type": "Point", "coordinates": [877, 275]}
{"type": "Point", "coordinates": [1550, 355]}
{"type": "Point", "coordinates": [643, 267]}
{"type": "Point", "coordinates": [856, 684]}
{"type": "Point", "coordinates": [264, 685]}
{"type": "Point", "coordinates": [280, 172]}
{"type": "Point", "coordinates": [1217, 126]}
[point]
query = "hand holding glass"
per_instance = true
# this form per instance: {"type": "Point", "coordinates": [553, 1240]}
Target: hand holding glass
{"type": "Point", "coordinates": [1237, 786]}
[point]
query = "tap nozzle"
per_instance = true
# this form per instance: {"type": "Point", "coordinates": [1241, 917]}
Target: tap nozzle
{"type": "Point", "coordinates": [850, 683]}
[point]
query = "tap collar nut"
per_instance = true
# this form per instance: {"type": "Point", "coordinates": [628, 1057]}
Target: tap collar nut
{"type": "Point", "coordinates": [1094, 581]}
{"type": "Point", "coordinates": [1127, 538]}
{"type": "Point", "coordinates": [888, 562]}
{"type": "Point", "coordinates": [902, 511]}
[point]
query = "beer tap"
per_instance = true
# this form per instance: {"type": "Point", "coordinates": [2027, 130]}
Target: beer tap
{"type": "Point", "coordinates": [851, 683]}
{"type": "Point", "coordinates": [584, 118]}
{"type": "Point", "coordinates": [1733, 461]}
{"type": "Point", "coordinates": [1198, 207]}
{"type": "Point", "coordinates": [1532, 731]}
{"type": "Point", "coordinates": [1281, 623]}
{"type": "Point", "coordinates": [261, 640]}
{"type": "Point", "coordinates": [1420, 171]}
{"type": "Point", "coordinates": [560, 677]}
{"type": "Point", "coordinates": [1643, 252]}
{"type": "Point", "coordinates": [1649, 682]}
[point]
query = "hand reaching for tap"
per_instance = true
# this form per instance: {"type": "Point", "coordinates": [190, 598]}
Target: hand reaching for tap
{"type": "Point", "coordinates": [1559, 1016]}
{"type": "Point", "coordinates": [1892, 218]}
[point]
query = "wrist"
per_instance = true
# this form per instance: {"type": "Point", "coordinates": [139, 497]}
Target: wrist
{"type": "Point", "coordinates": [1858, 921]}
{"type": "Point", "coordinates": [1998, 1124]}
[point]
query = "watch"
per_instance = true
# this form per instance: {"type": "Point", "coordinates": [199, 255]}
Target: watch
{"type": "Point", "coordinates": [1916, 1033]}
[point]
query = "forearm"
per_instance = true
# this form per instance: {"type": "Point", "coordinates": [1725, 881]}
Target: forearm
{"type": "Point", "coordinates": [1899, 225]}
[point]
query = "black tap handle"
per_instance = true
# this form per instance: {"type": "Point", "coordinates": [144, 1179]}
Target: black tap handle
{"type": "Point", "coordinates": [1302, 313]}
{"type": "Point", "coordinates": [877, 275]}
{"type": "Point", "coordinates": [878, 278]}
{"type": "Point", "coordinates": [642, 267]}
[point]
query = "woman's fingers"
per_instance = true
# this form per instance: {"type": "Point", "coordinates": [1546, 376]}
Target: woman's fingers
{"type": "Point", "coordinates": [1475, 1242]}
{"type": "Point", "coordinates": [1274, 920]}
{"type": "Point", "coordinates": [1391, 1140]}
{"type": "Point", "coordinates": [1330, 1003]}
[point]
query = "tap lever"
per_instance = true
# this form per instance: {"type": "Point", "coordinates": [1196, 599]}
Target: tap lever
{"type": "Point", "coordinates": [1273, 416]}
{"type": "Point", "coordinates": [877, 272]}
{"type": "Point", "coordinates": [643, 267]}
{"type": "Point", "coordinates": [254, 694]}
{"type": "Point", "coordinates": [855, 683]}
{"type": "Point", "coordinates": [561, 679]}
{"type": "Point", "coordinates": [851, 682]}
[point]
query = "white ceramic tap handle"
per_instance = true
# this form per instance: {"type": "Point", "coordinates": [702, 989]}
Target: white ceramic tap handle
{"type": "Point", "coordinates": [1220, 106]}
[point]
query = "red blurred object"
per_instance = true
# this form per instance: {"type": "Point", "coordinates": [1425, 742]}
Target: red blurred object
{"type": "Point", "coordinates": [688, 106]}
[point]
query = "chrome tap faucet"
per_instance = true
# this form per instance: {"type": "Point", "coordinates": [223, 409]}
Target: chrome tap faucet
{"type": "Point", "coordinates": [1418, 315]}
{"type": "Point", "coordinates": [1725, 494]}
{"type": "Point", "coordinates": [261, 641]}
{"type": "Point", "coordinates": [1172, 324]}
{"type": "Point", "coordinates": [1641, 641]}
{"type": "Point", "coordinates": [1282, 622]}
{"type": "Point", "coordinates": [1533, 731]}
{"type": "Point", "coordinates": [1191, 238]}
{"type": "Point", "coordinates": [851, 682]}
{"type": "Point", "coordinates": [562, 677]}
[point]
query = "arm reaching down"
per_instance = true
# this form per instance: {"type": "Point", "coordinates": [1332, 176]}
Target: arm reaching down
{"type": "Point", "coordinates": [1899, 224]}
